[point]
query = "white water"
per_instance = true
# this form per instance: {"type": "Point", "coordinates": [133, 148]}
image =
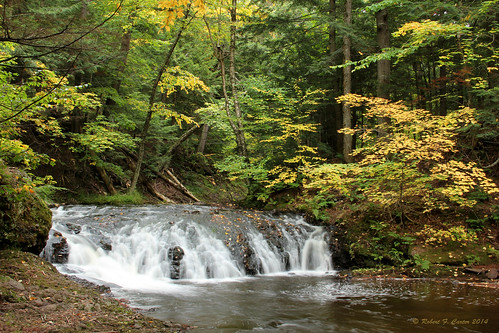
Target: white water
{"type": "Point", "coordinates": [141, 236]}
{"type": "Point", "coordinates": [215, 295]}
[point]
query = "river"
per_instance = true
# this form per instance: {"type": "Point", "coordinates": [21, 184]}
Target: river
{"type": "Point", "coordinates": [251, 271]}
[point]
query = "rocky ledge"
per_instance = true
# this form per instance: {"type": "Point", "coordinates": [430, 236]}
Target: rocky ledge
{"type": "Point", "coordinates": [35, 297]}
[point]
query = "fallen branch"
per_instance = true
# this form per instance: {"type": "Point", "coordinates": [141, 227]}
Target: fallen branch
{"type": "Point", "coordinates": [173, 181]}
{"type": "Point", "coordinates": [492, 165]}
{"type": "Point", "coordinates": [153, 190]}
{"type": "Point", "coordinates": [149, 186]}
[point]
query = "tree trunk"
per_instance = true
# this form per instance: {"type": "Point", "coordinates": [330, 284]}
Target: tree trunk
{"type": "Point", "coordinates": [235, 121]}
{"type": "Point", "coordinates": [174, 182]}
{"type": "Point", "coordinates": [221, 63]}
{"type": "Point", "coordinates": [107, 180]}
{"type": "Point", "coordinates": [443, 90]}
{"type": "Point", "coordinates": [84, 9]}
{"type": "Point", "coordinates": [232, 75]}
{"type": "Point", "coordinates": [126, 40]}
{"type": "Point", "coordinates": [419, 84]}
{"type": "Point", "coordinates": [203, 138]}
{"type": "Point", "coordinates": [147, 122]}
{"type": "Point", "coordinates": [159, 195]}
{"type": "Point", "coordinates": [177, 143]}
{"type": "Point", "coordinates": [183, 137]}
{"type": "Point", "coordinates": [347, 85]}
{"type": "Point", "coordinates": [383, 34]}
{"type": "Point", "coordinates": [383, 37]}
{"type": "Point", "coordinates": [333, 118]}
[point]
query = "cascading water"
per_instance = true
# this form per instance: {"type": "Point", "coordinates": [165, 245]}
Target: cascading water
{"type": "Point", "coordinates": [188, 264]}
{"type": "Point", "coordinates": [152, 244]}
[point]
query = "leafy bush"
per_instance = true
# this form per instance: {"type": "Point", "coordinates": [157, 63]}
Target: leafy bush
{"type": "Point", "coordinates": [454, 235]}
{"type": "Point", "coordinates": [406, 165]}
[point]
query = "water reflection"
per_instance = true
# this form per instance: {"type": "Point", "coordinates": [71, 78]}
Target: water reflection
{"type": "Point", "coordinates": [323, 304]}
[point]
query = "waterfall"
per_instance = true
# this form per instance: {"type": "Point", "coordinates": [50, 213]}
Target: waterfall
{"type": "Point", "coordinates": [125, 245]}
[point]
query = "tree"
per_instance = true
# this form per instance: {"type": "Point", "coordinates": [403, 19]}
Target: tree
{"type": "Point", "coordinates": [415, 168]}
{"type": "Point", "coordinates": [383, 36]}
{"type": "Point", "coordinates": [333, 120]}
{"type": "Point", "coordinates": [152, 98]}
{"type": "Point", "coordinates": [239, 132]}
{"type": "Point", "coordinates": [347, 85]}
{"type": "Point", "coordinates": [218, 40]}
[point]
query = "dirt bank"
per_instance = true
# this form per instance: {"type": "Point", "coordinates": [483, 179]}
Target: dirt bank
{"type": "Point", "coordinates": [35, 297]}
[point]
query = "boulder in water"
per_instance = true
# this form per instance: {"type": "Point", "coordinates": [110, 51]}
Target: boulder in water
{"type": "Point", "coordinates": [106, 244]}
{"type": "Point", "coordinates": [75, 229]}
{"type": "Point", "coordinates": [175, 256]}
{"type": "Point", "coordinates": [57, 249]}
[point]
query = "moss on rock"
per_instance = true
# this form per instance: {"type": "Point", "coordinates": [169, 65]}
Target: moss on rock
{"type": "Point", "coordinates": [25, 219]}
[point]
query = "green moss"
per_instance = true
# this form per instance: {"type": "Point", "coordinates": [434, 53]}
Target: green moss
{"type": "Point", "coordinates": [214, 189]}
{"type": "Point", "coordinates": [25, 219]}
{"type": "Point", "coordinates": [469, 254]}
{"type": "Point", "coordinates": [134, 198]}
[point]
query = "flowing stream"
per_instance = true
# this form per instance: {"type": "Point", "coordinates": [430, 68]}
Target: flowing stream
{"type": "Point", "coordinates": [234, 271]}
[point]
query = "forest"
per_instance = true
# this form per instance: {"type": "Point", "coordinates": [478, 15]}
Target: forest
{"type": "Point", "coordinates": [377, 116]}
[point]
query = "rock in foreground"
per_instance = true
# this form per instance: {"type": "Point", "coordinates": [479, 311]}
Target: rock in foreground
{"type": "Point", "coordinates": [35, 297]}
{"type": "Point", "coordinates": [25, 219]}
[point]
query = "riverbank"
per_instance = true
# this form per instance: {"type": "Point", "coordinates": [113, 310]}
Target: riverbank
{"type": "Point", "coordinates": [35, 297]}
{"type": "Point", "coordinates": [476, 276]}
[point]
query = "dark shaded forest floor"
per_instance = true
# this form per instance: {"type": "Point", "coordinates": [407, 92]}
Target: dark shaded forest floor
{"type": "Point", "coordinates": [35, 297]}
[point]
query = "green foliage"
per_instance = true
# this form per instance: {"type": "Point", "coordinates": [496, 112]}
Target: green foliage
{"type": "Point", "coordinates": [472, 259]}
{"type": "Point", "coordinates": [280, 130]}
{"type": "Point", "coordinates": [47, 192]}
{"type": "Point", "coordinates": [406, 165]}
{"type": "Point", "coordinates": [175, 79]}
{"type": "Point", "coordinates": [376, 243]}
{"type": "Point", "coordinates": [421, 263]}
{"type": "Point", "coordinates": [101, 135]}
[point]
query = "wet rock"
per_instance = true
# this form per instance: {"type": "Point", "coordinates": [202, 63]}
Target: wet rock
{"type": "Point", "coordinates": [473, 270]}
{"type": "Point", "coordinates": [252, 264]}
{"type": "Point", "coordinates": [242, 251]}
{"type": "Point", "coordinates": [57, 249]}
{"type": "Point", "coordinates": [74, 229]}
{"type": "Point", "coordinates": [176, 253]}
{"type": "Point", "coordinates": [91, 285]}
{"type": "Point", "coordinates": [106, 244]}
{"type": "Point", "coordinates": [285, 260]}
{"type": "Point", "coordinates": [175, 256]}
{"type": "Point", "coordinates": [275, 324]}
{"type": "Point", "coordinates": [339, 248]}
